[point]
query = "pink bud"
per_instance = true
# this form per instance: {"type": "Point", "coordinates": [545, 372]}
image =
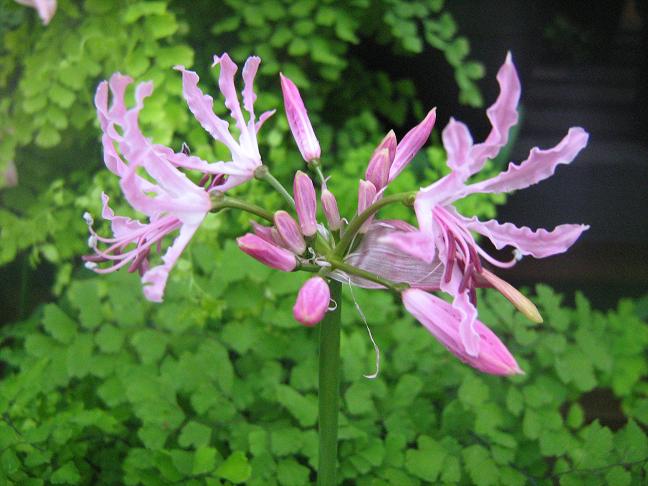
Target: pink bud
{"type": "Point", "coordinates": [305, 203]}
{"type": "Point", "coordinates": [267, 253]}
{"type": "Point", "coordinates": [443, 320]}
{"type": "Point", "coordinates": [300, 124]}
{"type": "Point", "coordinates": [366, 195]}
{"type": "Point", "coordinates": [263, 232]}
{"type": "Point", "coordinates": [289, 232]}
{"type": "Point", "coordinates": [390, 143]}
{"type": "Point", "coordinates": [378, 168]}
{"type": "Point", "coordinates": [312, 301]}
{"type": "Point", "coordinates": [411, 144]}
{"type": "Point", "coordinates": [330, 207]}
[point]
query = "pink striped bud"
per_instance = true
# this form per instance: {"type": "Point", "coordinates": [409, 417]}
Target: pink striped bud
{"type": "Point", "coordinates": [390, 143]}
{"type": "Point", "coordinates": [443, 321]}
{"type": "Point", "coordinates": [289, 232]}
{"type": "Point", "coordinates": [366, 195]}
{"type": "Point", "coordinates": [300, 124]}
{"type": "Point", "coordinates": [312, 301]}
{"type": "Point", "coordinates": [305, 203]}
{"type": "Point", "coordinates": [378, 168]}
{"type": "Point", "coordinates": [267, 253]}
{"type": "Point", "coordinates": [411, 144]}
{"type": "Point", "coordinates": [263, 232]}
{"type": "Point", "coordinates": [330, 207]}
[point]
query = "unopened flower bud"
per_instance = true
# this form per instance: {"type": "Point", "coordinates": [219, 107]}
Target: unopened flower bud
{"type": "Point", "coordinates": [263, 232]}
{"type": "Point", "coordinates": [305, 203]}
{"type": "Point", "coordinates": [331, 211]}
{"type": "Point", "coordinates": [390, 143]}
{"type": "Point", "coordinates": [378, 168]}
{"type": "Point", "coordinates": [289, 232]}
{"type": "Point", "coordinates": [312, 301]}
{"type": "Point", "coordinates": [514, 296]}
{"type": "Point", "coordinates": [300, 124]}
{"type": "Point", "coordinates": [267, 253]}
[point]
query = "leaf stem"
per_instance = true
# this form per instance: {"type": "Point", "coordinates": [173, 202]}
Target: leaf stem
{"type": "Point", "coordinates": [263, 173]}
{"type": "Point", "coordinates": [329, 389]}
{"type": "Point", "coordinates": [219, 201]}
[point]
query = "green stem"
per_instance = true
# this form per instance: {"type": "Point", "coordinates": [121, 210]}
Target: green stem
{"type": "Point", "coordinates": [263, 173]}
{"type": "Point", "coordinates": [320, 176]}
{"type": "Point", "coordinates": [358, 272]}
{"type": "Point", "coordinates": [329, 384]}
{"type": "Point", "coordinates": [357, 222]}
{"type": "Point", "coordinates": [224, 202]}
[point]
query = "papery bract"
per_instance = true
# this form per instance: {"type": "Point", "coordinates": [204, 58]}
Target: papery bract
{"type": "Point", "coordinates": [312, 301]}
{"type": "Point", "coordinates": [267, 253]}
{"type": "Point", "coordinates": [298, 120]}
{"type": "Point", "coordinates": [444, 322]}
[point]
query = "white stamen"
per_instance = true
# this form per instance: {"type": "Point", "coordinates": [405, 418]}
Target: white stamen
{"type": "Point", "coordinates": [375, 374]}
{"type": "Point", "coordinates": [92, 241]}
{"type": "Point", "coordinates": [90, 265]}
{"type": "Point", "coordinates": [88, 218]}
{"type": "Point", "coordinates": [517, 254]}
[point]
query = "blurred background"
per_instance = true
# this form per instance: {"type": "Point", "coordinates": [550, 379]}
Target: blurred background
{"type": "Point", "coordinates": [100, 387]}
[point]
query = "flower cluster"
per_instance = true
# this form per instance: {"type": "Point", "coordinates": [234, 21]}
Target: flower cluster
{"type": "Point", "coordinates": [440, 255]}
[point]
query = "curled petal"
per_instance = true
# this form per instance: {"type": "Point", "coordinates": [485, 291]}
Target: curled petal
{"type": "Point", "coordinates": [312, 301]}
{"type": "Point", "coordinates": [45, 8]}
{"type": "Point", "coordinates": [540, 165]}
{"type": "Point", "coordinates": [539, 243]}
{"type": "Point", "coordinates": [300, 124]}
{"type": "Point", "coordinates": [443, 321]}
{"type": "Point", "coordinates": [502, 115]}
{"type": "Point", "coordinates": [458, 143]}
{"type": "Point", "coordinates": [249, 73]}
{"type": "Point", "coordinates": [411, 144]}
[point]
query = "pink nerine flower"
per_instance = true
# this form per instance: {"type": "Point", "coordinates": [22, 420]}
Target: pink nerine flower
{"type": "Point", "coordinates": [300, 124]}
{"type": "Point", "coordinates": [245, 151]}
{"type": "Point", "coordinates": [170, 200]}
{"type": "Point", "coordinates": [312, 301]}
{"type": "Point", "coordinates": [45, 8]}
{"type": "Point", "coordinates": [446, 235]}
{"type": "Point", "coordinates": [444, 322]}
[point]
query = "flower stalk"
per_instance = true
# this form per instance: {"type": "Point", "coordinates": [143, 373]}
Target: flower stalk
{"type": "Point", "coordinates": [329, 385]}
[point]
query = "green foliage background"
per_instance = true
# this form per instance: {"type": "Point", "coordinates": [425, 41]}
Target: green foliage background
{"type": "Point", "coordinates": [218, 387]}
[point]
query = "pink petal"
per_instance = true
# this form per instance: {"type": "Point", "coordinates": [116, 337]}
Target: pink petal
{"type": "Point", "coordinates": [45, 8]}
{"type": "Point", "coordinates": [312, 301]}
{"type": "Point", "coordinates": [411, 144]}
{"type": "Point", "coordinates": [249, 73]}
{"type": "Point", "coordinates": [540, 243]}
{"type": "Point", "coordinates": [300, 124]}
{"type": "Point", "coordinates": [443, 321]}
{"type": "Point", "coordinates": [154, 280]}
{"type": "Point", "coordinates": [502, 115]}
{"type": "Point", "coordinates": [226, 84]}
{"type": "Point", "coordinates": [121, 225]}
{"type": "Point", "coordinates": [540, 165]}
{"type": "Point", "coordinates": [202, 107]}
{"type": "Point", "coordinates": [458, 143]}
